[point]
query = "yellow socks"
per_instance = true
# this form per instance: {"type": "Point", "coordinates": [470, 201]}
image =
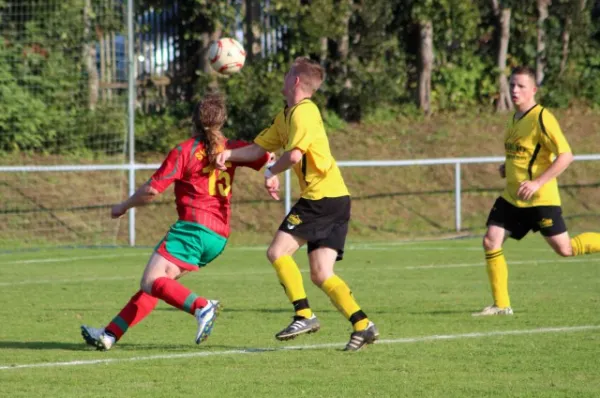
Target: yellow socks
{"type": "Point", "coordinates": [586, 243]}
{"type": "Point", "coordinates": [498, 274]}
{"type": "Point", "coordinates": [291, 280]}
{"type": "Point", "coordinates": [340, 295]}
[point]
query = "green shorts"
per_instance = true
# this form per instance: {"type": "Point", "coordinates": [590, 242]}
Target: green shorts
{"type": "Point", "coordinates": [190, 246]}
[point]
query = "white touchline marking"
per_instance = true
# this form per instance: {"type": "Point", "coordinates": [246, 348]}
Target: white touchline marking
{"type": "Point", "coordinates": [67, 259]}
{"type": "Point", "coordinates": [51, 281]}
{"type": "Point", "coordinates": [208, 274]}
{"type": "Point", "coordinates": [389, 246]}
{"type": "Point", "coordinates": [482, 263]}
{"type": "Point", "coordinates": [407, 340]}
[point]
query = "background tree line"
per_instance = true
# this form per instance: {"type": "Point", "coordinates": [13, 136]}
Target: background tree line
{"type": "Point", "coordinates": [409, 56]}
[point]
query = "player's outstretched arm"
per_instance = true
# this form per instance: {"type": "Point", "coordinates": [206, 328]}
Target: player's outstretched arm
{"type": "Point", "coordinates": [244, 154]}
{"type": "Point", "coordinates": [144, 195]}
{"type": "Point", "coordinates": [287, 160]}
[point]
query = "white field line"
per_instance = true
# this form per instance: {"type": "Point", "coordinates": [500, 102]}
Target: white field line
{"type": "Point", "coordinates": [70, 259]}
{"type": "Point", "coordinates": [358, 247]}
{"type": "Point", "coordinates": [481, 264]}
{"type": "Point", "coordinates": [566, 329]}
{"type": "Point", "coordinates": [209, 274]}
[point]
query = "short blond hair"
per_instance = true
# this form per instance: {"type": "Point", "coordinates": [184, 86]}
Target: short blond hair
{"type": "Point", "coordinates": [311, 73]}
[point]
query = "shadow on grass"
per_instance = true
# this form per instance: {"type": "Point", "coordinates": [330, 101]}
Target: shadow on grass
{"type": "Point", "coordinates": [466, 312]}
{"type": "Point", "coordinates": [255, 310]}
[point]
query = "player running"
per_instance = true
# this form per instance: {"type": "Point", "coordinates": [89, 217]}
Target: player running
{"type": "Point", "coordinates": [203, 198]}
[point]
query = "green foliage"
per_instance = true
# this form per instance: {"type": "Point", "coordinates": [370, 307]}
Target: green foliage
{"type": "Point", "coordinates": [462, 85]}
{"type": "Point", "coordinates": [43, 90]}
{"type": "Point", "coordinates": [253, 98]}
{"type": "Point", "coordinates": [44, 86]}
{"type": "Point", "coordinates": [159, 132]}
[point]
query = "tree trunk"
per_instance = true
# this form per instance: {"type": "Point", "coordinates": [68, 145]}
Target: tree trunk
{"type": "Point", "coordinates": [503, 21]}
{"type": "Point", "coordinates": [252, 28]}
{"type": "Point", "coordinates": [540, 58]}
{"type": "Point", "coordinates": [344, 105]}
{"type": "Point", "coordinates": [324, 50]}
{"type": "Point", "coordinates": [426, 65]}
{"type": "Point", "coordinates": [89, 57]}
{"type": "Point", "coordinates": [566, 35]}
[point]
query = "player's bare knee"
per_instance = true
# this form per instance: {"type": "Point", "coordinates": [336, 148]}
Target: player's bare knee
{"type": "Point", "coordinates": [273, 253]}
{"type": "Point", "coordinates": [564, 251]}
{"type": "Point", "coordinates": [146, 284]}
{"type": "Point", "coordinates": [490, 244]}
{"type": "Point", "coordinates": [318, 278]}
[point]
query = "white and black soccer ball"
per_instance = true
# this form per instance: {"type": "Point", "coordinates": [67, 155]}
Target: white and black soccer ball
{"type": "Point", "coordinates": [226, 56]}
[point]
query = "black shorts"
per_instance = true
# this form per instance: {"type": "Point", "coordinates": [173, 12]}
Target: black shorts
{"type": "Point", "coordinates": [321, 223]}
{"type": "Point", "coordinates": [520, 220]}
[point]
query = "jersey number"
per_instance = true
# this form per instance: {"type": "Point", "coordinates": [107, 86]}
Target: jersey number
{"type": "Point", "coordinates": [218, 181]}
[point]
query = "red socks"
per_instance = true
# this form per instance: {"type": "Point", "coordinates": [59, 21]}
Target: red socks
{"type": "Point", "coordinates": [138, 307]}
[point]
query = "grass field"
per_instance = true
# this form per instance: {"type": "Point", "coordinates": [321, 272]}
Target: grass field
{"type": "Point", "coordinates": [420, 294]}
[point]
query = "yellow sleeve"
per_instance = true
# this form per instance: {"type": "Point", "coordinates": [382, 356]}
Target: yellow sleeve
{"type": "Point", "coordinates": [304, 122]}
{"type": "Point", "coordinates": [269, 139]}
{"type": "Point", "coordinates": [552, 136]}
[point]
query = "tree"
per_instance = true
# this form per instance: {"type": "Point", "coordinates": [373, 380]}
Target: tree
{"type": "Point", "coordinates": [576, 7]}
{"type": "Point", "coordinates": [540, 59]}
{"type": "Point", "coordinates": [502, 14]}
{"type": "Point", "coordinates": [426, 65]}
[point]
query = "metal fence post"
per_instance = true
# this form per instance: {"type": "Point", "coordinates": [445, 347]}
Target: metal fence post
{"type": "Point", "coordinates": [131, 114]}
{"type": "Point", "coordinates": [457, 195]}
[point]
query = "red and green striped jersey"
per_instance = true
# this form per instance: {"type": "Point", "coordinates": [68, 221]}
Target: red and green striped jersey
{"type": "Point", "coordinates": [202, 193]}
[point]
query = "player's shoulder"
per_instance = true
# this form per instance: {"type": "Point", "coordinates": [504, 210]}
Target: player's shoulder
{"type": "Point", "coordinates": [188, 143]}
{"type": "Point", "coordinates": [305, 110]}
{"type": "Point", "coordinates": [305, 106]}
{"type": "Point", "coordinates": [547, 119]}
{"type": "Point", "coordinates": [546, 113]}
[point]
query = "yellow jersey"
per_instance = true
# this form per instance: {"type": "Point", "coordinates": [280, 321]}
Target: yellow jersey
{"type": "Point", "coordinates": [531, 143]}
{"type": "Point", "coordinates": [301, 127]}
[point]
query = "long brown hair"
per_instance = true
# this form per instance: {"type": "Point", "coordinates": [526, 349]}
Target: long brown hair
{"type": "Point", "coordinates": [208, 119]}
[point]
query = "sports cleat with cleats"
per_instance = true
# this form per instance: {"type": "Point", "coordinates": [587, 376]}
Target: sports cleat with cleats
{"type": "Point", "coordinates": [299, 325]}
{"type": "Point", "coordinates": [97, 338]}
{"type": "Point", "coordinates": [493, 310]}
{"type": "Point", "coordinates": [363, 337]}
{"type": "Point", "coordinates": [206, 319]}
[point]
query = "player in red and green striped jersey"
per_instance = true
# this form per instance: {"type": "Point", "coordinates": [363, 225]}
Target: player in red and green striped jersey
{"type": "Point", "coordinates": [203, 198]}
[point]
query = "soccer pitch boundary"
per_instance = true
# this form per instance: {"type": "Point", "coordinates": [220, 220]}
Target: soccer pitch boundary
{"type": "Point", "coordinates": [270, 272]}
{"type": "Point", "coordinates": [408, 340]}
{"type": "Point", "coordinates": [146, 251]}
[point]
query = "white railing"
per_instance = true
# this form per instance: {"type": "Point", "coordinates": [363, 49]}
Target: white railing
{"type": "Point", "coordinates": [132, 167]}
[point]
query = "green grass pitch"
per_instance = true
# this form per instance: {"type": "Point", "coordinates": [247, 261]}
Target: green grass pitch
{"type": "Point", "coordinates": [420, 295]}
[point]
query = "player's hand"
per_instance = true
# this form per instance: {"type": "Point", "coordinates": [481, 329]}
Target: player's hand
{"type": "Point", "coordinates": [502, 170]}
{"type": "Point", "coordinates": [272, 187]}
{"type": "Point", "coordinates": [527, 189]}
{"type": "Point", "coordinates": [118, 210]}
{"type": "Point", "coordinates": [221, 159]}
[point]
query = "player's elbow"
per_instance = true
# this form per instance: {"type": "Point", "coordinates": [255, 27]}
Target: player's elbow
{"type": "Point", "coordinates": [568, 156]}
{"type": "Point", "coordinates": [149, 192]}
{"type": "Point", "coordinates": [295, 156]}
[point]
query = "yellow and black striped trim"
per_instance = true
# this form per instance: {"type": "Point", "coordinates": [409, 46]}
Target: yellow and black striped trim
{"type": "Point", "coordinates": [494, 254]}
{"type": "Point", "coordinates": [578, 248]}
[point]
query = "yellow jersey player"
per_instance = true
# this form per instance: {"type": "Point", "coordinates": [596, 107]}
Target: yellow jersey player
{"type": "Point", "coordinates": [536, 153]}
{"type": "Point", "coordinates": [320, 218]}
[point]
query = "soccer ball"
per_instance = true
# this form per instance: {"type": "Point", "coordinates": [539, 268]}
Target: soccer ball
{"type": "Point", "coordinates": [226, 56]}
